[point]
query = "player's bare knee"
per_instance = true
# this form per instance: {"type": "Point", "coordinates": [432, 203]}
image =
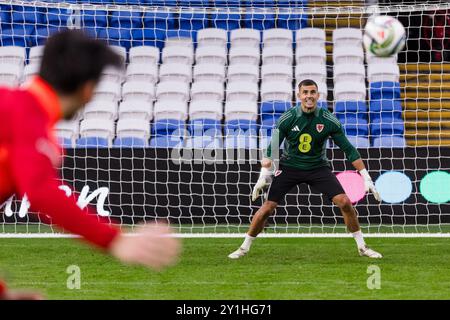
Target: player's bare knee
{"type": "Point", "coordinates": [343, 202]}
{"type": "Point", "coordinates": [268, 207]}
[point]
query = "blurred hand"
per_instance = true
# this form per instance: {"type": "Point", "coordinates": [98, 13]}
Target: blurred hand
{"type": "Point", "coordinates": [21, 295]}
{"type": "Point", "coordinates": [150, 245]}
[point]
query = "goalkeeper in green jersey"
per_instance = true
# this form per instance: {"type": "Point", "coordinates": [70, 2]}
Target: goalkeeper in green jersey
{"type": "Point", "coordinates": [305, 130]}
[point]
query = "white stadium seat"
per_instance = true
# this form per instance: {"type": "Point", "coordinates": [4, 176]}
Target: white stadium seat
{"type": "Point", "coordinates": [12, 55]}
{"type": "Point", "coordinates": [349, 72]}
{"type": "Point", "coordinates": [183, 42]}
{"type": "Point", "coordinates": [277, 37]}
{"type": "Point", "coordinates": [68, 129]}
{"type": "Point", "coordinates": [144, 54]}
{"type": "Point", "coordinates": [136, 109]}
{"type": "Point", "coordinates": [111, 74]}
{"type": "Point", "coordinates": [145, 72]}
{"type": "Point", "coordinates": [121, 51]}
{"type": "Point", "coordinates": [170, 109]}
{"type": "Point", "coordinates": [276, 91]}
{"type": "Point", "coordinates": [278, 55]}
{"type": "Point", "coordinates": [99, 109]}
{"type": "Point", "coordinates": [348, 55]}
{"type": "Point", "coordinates": [35, 55]}
{"type": "Point", "coordinates": [245, 37]}
{"type": "Point", "coordinates": [345, 91]}
{"type": "Point", "coordinates": [310, 37]}
{"type": "Point", "coordinates": [175, 72]}
{"type": "Point", "coordinates": [212, 37]}
{"type": "Point", "coordinates": [316, 72]}
{"type": "Point", "coordinates": [243, 55]}
{"type": "Point", "coordinates": [247, 110]}
{"type": "Point", "coordinates": [172, 90]}
{"type": "Point", "coordinates": [383, 72]}
{"type": "Point", "coordinates": [276, 72]}
{"type": "Point", "coordinates": [242, 91]}
{"type": "Point", "coordinates": [373, 59]}
{"type": "Point", "coordinates": [177, 54]}
{"type": "Point", "coordinates": [207, 90]}
{"type": "Point", "coordinates": [347, 37]}
{"type": "Point", "coordinates": [203, 109]}
{"type": "Point", "coordinates": [97, 128]}
{"type": "Point", "coordinates": [138, 90]}
{"type": "Point", "coordinates": [243, 72]}
{"type": "Point", "coordinates": [10, 74]}
{"type": "Point", "coordinates": [107, 90]}
{"type": "Point", "coordinates": [209, 72]}
{"type": "Point", "coordinates": [211, 55]}
{"type": "Point", "coordinates": [137, 128]}
{"type": "Point", "coordinates": [30, 71]}
{"type": "Point", "coordinates": [313, 55]}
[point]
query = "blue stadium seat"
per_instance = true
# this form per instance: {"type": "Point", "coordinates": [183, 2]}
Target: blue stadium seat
{"type": "Point", "coordinates": [385, 109]}
{"type": "Point", "coordinates": [66, 143]}
{"type": "Point", "coordinates": [384, 90]}
{"type": "Point", "coordinates": [275, 106]}
{"type": "Point", "coordinates": [387, 126]}
{"type": "Point", "coordinates": [5, 16]}
{"type": "Point", "coordinates": [358, 141]}
{"type": "Point", "coordinates": [239, 139]}
{"type": "Point", "coordinates": [228, 3]}
{"type": "Point", "coordinates": [204, 142]}
{"type": "Point", "coordinates": [92, 142]}
{"type": "Point", "coordinates": [148, 37]}
{"type": "Point", "coordinates": [117, 37]}
{"type": "Point", "coordinates": [166, 142]}
{"type": "Point", "coordinates": [268, 122]}
{"type": "Point", "coordinates": [292, 3]}
{"type": "Point", "coordinates": [322, 104]}
{"type": "Point", "coordinates": [16, 36]}
{"type": "Point", "coordinates": [354, 126]}
{"type": "Point", "coordinates": [29, 17]}
{"type": "Point", "coordinates": [259, 21]}
{"type": "Point", "coordinates": [389, 142]}
{"type": "Point", "coordinates": [291, 21]}
{"type": "Point", "coordinates": [165, 127]}
{"type": "Point", "coordinates": [241, 124]}
{"type": "Point", "coordinates": [58, 17]}
{"type": "Point", "coordinates": [40, 35]}
{"type": "Point", "coordinates": [169, 3]}
{"type": "Point", "coordinates": [129, 142]}
{"type": "Point", "coordinates": [92, 21]}
{"type": "Point", "coordinates": [194, 21]}
{"type": "Point", "coordinates": [359, 107]}
{"type": "Point", "coordinates": [199, 127]}
{"type": "Point", "coordinates": [126, 19]}
{"type": "Point", "coordinates": [159, 20]}
{"type": "Point", "coordinates": [225, 21]}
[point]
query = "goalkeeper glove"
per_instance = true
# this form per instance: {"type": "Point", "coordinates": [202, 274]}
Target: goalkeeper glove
{"type": "Point", "coordinates": [368, 184]}
{"type": "Point", "coordinates": [265, 178]}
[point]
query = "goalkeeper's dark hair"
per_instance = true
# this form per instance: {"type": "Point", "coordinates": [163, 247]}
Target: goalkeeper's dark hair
{"type": "Point", "coordinates": [307, 82]}
{"type": "Point", "coordinates": [71, 58]}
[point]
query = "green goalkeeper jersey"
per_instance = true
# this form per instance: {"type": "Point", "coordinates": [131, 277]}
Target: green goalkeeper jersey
{"type": "Point", "coordinates": [305, 137]}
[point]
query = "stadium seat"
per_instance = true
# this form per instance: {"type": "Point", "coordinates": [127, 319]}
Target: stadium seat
{"type": "Point", "coordinates": [27, 16]}
{"type": "Point", "coordinates": [130, 142]}
{"type": "Point", "coordinates": [373, 59]}
{"type": "Point", "coordinates": [387, 126]}
{"type": "Point", "coordinates": [69, 131]}
{"type": "Point", "coordinates": [245, 37]}
{"type": "Point", "coordinates": [93, 21]}
{"type": "Point", "coordinates": [126, 19]}
{"type": "Point", "coordinates": [133, 128]}
{"type": "Point", "coordinates": [144, 72]}
{"type": "Point", "coordinates": [243, 72]}
{"type": "Point", "coordinates": [316, 72]}
{"type": "Point", "coordinates": [172, 90]}
{"type": "Point", "coordinates": [121, 51]}
{"type": "Point", "coordinates": [349, 72]}
{"type": "Point", "coordinates": [347, 37]}
{"type": "Point", "coordinates": [177, 72]}
{"type": "Point", "coordinates": [242, 91]}
{"type": "Point", "coordinates": [35, 54]}
{"type": "Point", "coordinates": [144, 55]}
{"type": "Point", "coordinates": [60, 17]}
{"type": "Point", "coordinates": [138, 90]}
{"type": "Point", "coordinates": [212, 37]}
{"type": "Point", "coordinates": [276, 90]}
{"type": "Point", "coordinates": [383, 72]}
{"type": "Point", "coordinates": [112, 74]}
{"type": "Point", "coordinates": [167, 127]}
{"type": "Point", "coordinates": [12, 55]}
{"type": "Point", "coordinates": [204, 109]}
{"type": "Point", "coordinates": [227, 21]}
{"type": "Point", "coordinates": [96, 133]}
{"type": "Point", "coordinates": [10, 74]}
{"type": "Point", "coordinates": [358, 107]}
{"type": "Point", "coordinates": [211, 55]}
{"type": "Point", "coordinates": [384, 90]}
{"type": "Point", "coordinates": [148, 38]}
{"type": "Point", "coordinates": [259, 20]}
{"type": "Point", "coordinates": [205, 126]}
{"type": "Point", "coordinates": [180, 38]}
{"type": "Point", "coordinates": [242, 110]}
{"type": "Point", "coordinates": [168, 142]}
{"type": "Point", "coordinates": [204, 142]}
{"type": "Point", "coordinates": [30, 71]}
{"type": "Point", "coordinates": [244, 55]}
{"type": "Point", "coordinates": [168, 109]}
{"type": "Point", "coordinates": [270, 107]}
{"type": "Point", "coordinates": [355, 91]}
{"type": "Point", "coordinates": [117, 37]}
{"type": "Point", "coordinates": [193, 20]}
{"type": "Point", "coordinates": [359, 142]}
{"type": "Point", "coordinates": [390, 141]}
{"type": "Point", "coordinates": [277, 55]}
{"type": "Point", "coordinates": [178, 54]}
{"type": "Point", "coordinates": [291, 21]}
{"type": "Point", "coordinates": [241, 124]}
{"type": "Point", "coordinates": [277, 37]}
{"type": "Point", "coordinates": [17, 35]}
{"type": "Point", "coordinates": [276, 72]}
{"type": "Point", "coordinates": [40, 35]}
{"type": "Point", "coordinates": [98, 109]}
{"type": "Point", "coordinates": [385, 109]}
{"type": "Point", "coordinates": [239, 139]}
{"type": "Point", "coordinates": [136, 109]}
{"type": "Point", "coordinates": [354, 125]}
{"type": "Point", "coordinates": [322, 104]}
{"type": "Point", "coordinates": [310, 37]}
{"type": "Point", "coordinates": [160, 20]}
{"type": "Point", "coordinates": [352, 55]}
{"type": "Point", "coordinates": [312, 55]}
{"type": "Point", "coordinates": [207, 90]}
{"type": "Point", "coordinates": [209, 72]}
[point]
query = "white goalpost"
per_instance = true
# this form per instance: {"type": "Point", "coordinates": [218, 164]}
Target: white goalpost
{"type": "Point", "coordinates": [179, 134]}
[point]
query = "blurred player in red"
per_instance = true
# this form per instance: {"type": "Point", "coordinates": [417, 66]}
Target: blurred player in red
{"type": "Point", "coordinates": [70, 70]}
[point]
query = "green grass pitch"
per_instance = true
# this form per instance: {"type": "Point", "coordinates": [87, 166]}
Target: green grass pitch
{"type": "Point", "coordinates": [288, 268]}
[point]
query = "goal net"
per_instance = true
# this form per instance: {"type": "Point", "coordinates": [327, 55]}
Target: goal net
{"type": "Point", "coordinates": [179, 134]}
